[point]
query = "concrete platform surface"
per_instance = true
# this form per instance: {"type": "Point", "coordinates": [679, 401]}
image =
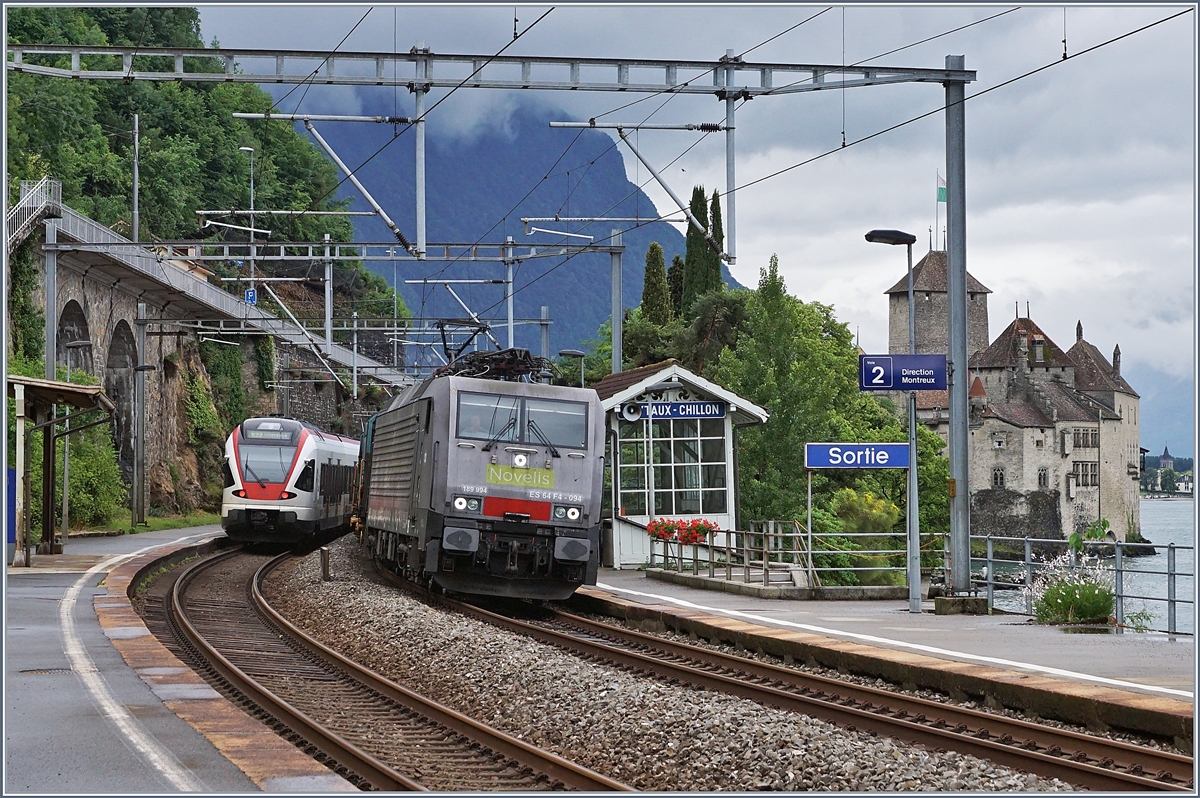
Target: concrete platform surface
{"type": "Point", "coordinates": [1151, 663]}
{"type": "Point", "coordinates": [95, 704]}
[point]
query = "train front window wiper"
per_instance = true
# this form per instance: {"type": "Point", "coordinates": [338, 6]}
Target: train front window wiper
{"type": "Point", "coordinates": [254, 476]}
{"type": "Point", "coordinates": [536, 430]}
{"type": "Point", "coordinates": [512, 422]}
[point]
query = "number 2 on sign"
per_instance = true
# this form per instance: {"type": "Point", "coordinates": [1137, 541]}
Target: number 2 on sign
{"type": "Point", "coordinates": [877, 371]}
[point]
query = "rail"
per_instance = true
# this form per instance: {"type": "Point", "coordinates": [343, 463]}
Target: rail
{"type": "Point", "coordinates": [1022, 558]}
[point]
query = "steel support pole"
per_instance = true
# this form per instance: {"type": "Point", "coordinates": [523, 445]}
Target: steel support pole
{"type": "Point", "coordinates": [50, 287]}
{"type": "Point", "coordinates": [139, 423]}
{"type": "Point", "coordinates": [914, 517]}
{"type": "Point", "coordinates": [134, 227]}
{"type": "Point", "coordinates": [956, 255]}
{"type": "Point", "coordinates": [22, 491]}
{"type": "Point", "coordinates": [508, 286]}
{"type": "Point", "coordinates": [545, 325]}
{"type": "Point", "coordinates": [354, 359]}
{"type": "Point", "coordinates": [618, 310]}
{"type": "Point", "coordinates": [66, 488]}
{"type": "Point", "coordinates": [420, 161]}
{"type": "Point", "coordinates": [328, 299]}
{"type": "Point", "coordinates": [730, 178]}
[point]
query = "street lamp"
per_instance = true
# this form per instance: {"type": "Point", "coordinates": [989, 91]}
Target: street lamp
{"type": "Point", "coordinates": [251, 151]}
{"type": "Point", "coordinates": [575, 353]}
{"type": "Point", "coordinates": [66, 497]}
{"type": "Point", "coordinates": [914, 525]}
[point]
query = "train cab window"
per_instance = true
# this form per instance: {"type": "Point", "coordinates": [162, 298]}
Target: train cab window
{"type": "Point", "coordinates": [305, 480]}
{"type": "Point", "coordinates": [562, 423]}
{"type": "Point", "coordinates": [227, 473]}
{"type": "Point", "coordinates": [484, 417]}
{"type": "Point", "coordinates": [266, 449]}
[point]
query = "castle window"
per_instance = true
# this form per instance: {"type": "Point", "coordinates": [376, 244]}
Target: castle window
{"type": "Point", "coordinates": [1087, 474]}
{"type": "Point", "coordinates": [997, 477]}
{"type": "Point", "coordinates": [1043, 477]}
{"type": "Point", "coordinates": [1094, 438]}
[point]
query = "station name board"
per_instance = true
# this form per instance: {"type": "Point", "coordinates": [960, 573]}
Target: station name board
{"type": "Point", "coordinates": [700, 409]}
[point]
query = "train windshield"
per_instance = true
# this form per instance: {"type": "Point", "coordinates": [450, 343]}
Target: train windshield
{"type": "Point", "coordinates": [562, 423]}
{"type": "Point", "coordinates": [485, 416]}
{"type": "Point", "coordinates": [266, 448]}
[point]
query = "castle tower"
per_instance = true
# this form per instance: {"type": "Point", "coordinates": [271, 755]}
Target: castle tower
{"type": "Point", "coordinates": [931, 302]}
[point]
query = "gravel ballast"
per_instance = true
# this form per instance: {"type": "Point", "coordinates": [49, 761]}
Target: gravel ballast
{"type": "Point", "coordinates": [634, 729]}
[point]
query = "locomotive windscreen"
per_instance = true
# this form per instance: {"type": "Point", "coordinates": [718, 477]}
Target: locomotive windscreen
{"type": "Point", "coordinates": [512, 419]}
{"type": "Point", "coordinates": [563, 423]}
{"type": "Point", "coordinates": [266, 448]}
{"type": "Point", "coordinates": [487, 416]}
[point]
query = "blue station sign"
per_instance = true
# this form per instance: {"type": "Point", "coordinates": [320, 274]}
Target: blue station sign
{"type": "Point", "coordinates": [856, 455]}
{"type": "Point", "coordinates": [251, 296]}
{"type": "Point", "coordinates": [902, 372]}
{"type": "Point", "coordinates": [664, 410]}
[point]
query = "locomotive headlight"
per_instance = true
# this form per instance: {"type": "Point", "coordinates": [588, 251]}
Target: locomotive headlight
{"type": "Point", "coordinates": [473, 505]}
{"type": "Point", "coordinates": [520, 460]}
{"type": "Point", "coordinates": [572, 513]}
{"type": "Point", "coordinates": [460, 502]}
{"type": "Point", "coordinates": [560, 512]}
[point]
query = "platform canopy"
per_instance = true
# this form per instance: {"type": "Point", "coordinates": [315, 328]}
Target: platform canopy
{"type": "Point", "coordinates": [55, 392]}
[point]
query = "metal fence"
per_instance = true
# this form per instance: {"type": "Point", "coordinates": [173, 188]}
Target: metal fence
{"type": "Point", "coordinates": [786, 546]}
{"type": "Point", "coordinates": [1155, 587]}
{"type": "Point", "coordinates": [38, 200]}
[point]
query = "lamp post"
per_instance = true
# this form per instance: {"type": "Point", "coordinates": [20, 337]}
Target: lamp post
{"type": "Point", "coordinates": [66, 500]}
{"type": "Point", "coordinates": [914, 525]}
{"type": "Point", "coordinates": [251, 151]}
{"type": "Point", "coordinates": [575, 353]}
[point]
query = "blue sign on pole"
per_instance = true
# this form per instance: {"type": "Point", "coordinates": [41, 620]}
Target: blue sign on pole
{"type": "Point", "coordinates": [251, 296]}
{"type": "Point", "coordinates": [902, 372]}
{"type": "Point", "coordinates": [856, 455]}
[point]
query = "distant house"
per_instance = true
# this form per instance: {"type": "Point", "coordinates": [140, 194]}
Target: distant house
{"type": "Point", "coordinates": [1054, 434]}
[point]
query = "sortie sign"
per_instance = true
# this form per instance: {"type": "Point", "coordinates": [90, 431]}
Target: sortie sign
{"type": "Point", "coordinates": [856, 455]}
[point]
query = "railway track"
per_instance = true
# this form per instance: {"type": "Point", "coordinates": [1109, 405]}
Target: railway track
{"type": "Point", "coordinates": [377, 733]}
{"type": "Point", "coordinates": [1084, 760]}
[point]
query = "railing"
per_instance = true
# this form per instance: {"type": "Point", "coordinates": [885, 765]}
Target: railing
{"type": "Point", "coordinates": [779, 546]}
{"type": "Point", "coordinates": [1131, 584]}
{"type": "Point", "coordinates": [39, 200]}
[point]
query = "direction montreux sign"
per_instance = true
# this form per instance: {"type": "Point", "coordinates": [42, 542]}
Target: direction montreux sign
{"type": "Point", "coordinates": [856, 455]}
{"type": "Point", "coordinates": [902, 372]}
{"type": "Point", "coordinates": [697, 409]}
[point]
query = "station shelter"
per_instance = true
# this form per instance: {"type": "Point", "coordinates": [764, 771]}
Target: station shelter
{"type": "Point", "coordinates": [673, 450]}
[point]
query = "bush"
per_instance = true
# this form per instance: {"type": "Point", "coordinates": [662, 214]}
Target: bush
{"type": "Point", "coordinates": [1067, 593]}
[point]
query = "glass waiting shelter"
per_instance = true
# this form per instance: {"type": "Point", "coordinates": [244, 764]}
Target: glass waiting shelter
{"type": "Point", "coordinates": [671, 445]}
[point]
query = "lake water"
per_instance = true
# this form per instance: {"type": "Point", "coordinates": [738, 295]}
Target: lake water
{"type": "Point", "coordinates": [1164, 521]}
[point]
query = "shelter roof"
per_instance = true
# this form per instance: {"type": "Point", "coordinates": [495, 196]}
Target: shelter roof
{"type": "Point", "coordinates": [56, 392]}
{"type": "Point", "coordinates": [616, 389]}
{"type": "Point", "coordinates": [930, 274]}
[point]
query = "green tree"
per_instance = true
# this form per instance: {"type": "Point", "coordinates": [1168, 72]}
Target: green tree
{"type": "Point", "coordinates": [1168, 481]}
{"type": "Point", "coordinates": [656, 296]}
{"type": "Point", "coordinates": [675, 281]}
{"type": "Point", "coordinates": [696, 254]}
{"type": "Point", "coordinates": [642, 341]}
{"type": "Point", "coordinates": [720, 318]}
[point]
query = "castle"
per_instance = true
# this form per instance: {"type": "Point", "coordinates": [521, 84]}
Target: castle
{"type": "Point", "coordinates": [1054, 433]}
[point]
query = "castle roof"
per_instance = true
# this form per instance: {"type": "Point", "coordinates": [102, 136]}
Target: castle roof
{"type": "Point", "coordinates": [1004, 351]}
{"type": "Point", "coordinates": [1019, 414]}
{"type": "Point", "coordinates": [930, 275]}
{"type": "Point", "coordinates": [1093, 372]}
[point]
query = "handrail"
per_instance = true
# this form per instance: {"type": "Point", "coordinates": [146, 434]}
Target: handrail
{"type": "Point", "coordinates": [39, 200]}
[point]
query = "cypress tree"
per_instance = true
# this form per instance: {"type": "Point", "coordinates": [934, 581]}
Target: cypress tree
{"type": "Point", "coordinates": [695, 257]}
{"type": "Point", "coordinates": [713, 279]}
{"type": "Point", "coordinates": [656, 296]}
{"type": "Point", "coordinates": [675, 281]}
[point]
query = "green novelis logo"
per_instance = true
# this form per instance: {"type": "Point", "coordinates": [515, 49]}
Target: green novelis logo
{"type": "Point", "coordinates": [520, 477]}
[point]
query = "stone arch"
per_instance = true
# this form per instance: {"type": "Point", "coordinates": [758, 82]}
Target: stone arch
{"type": "Point", "coordinates": [118, 384]}
{"type": "Point", "coordinates": [72, 327]}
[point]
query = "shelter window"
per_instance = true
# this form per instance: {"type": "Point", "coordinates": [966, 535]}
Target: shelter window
{"type": "Point", "coordinates": [673, 467]}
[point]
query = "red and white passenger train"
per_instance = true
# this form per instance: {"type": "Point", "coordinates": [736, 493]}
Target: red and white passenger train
{"type": "Point", "coordinates": [286, 481]}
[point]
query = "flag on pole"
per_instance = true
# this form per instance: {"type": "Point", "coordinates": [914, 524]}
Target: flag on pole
{"type": "Point", "coordinates": [941, 186]}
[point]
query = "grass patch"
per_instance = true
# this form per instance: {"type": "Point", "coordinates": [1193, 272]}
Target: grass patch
{"type": "Point", "coordinates": [157, 523]}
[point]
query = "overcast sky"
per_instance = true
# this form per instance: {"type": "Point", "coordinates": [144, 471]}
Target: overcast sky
{"type": "Point", "coordinates": [1081, 195]}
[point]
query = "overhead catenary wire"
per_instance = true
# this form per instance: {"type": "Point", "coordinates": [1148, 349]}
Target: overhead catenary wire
{"type": "Point", "coordinates": [891, 128]}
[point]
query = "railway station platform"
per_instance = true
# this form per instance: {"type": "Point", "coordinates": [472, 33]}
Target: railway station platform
{"type": "Point", "coordinates": [1006, 659]}
{"type": "Point", "coordinates": [95, 704]}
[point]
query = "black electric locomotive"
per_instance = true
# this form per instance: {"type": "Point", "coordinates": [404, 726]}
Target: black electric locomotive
{"type": "Point", "coordinates": [486, 483]}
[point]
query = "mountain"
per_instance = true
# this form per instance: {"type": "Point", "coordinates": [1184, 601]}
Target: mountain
{"type": "Point", "coordinates": [478, 187]}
